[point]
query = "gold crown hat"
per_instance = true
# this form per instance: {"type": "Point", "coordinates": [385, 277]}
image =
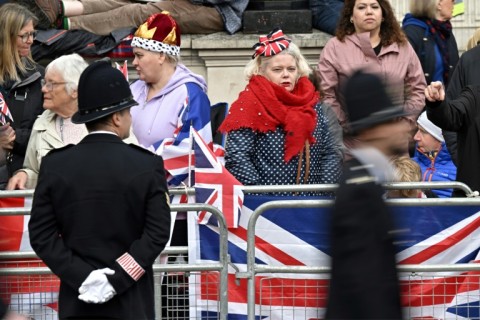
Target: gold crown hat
{"type": "Point", "coordinates": [160, 33]}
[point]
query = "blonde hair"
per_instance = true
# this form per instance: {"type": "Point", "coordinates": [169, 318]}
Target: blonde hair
{"type": "Point", "coordinates": [406, 170]}
{"type": "Point", "coordinates": [259, 63]}
{"type": "Point", "coordinates": [474, 40]}
{"type": "Point", "coordinates": [423, 8]}
{"type": "Point", "coordinates": [13, 18]}
{"type": "Point", "coordinates": [173, 59]}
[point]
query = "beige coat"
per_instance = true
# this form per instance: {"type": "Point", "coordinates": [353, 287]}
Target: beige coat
{"type": "Point", "coordinates": [397, 65]}
{"type": "Point", "coordinates": [43, 139]}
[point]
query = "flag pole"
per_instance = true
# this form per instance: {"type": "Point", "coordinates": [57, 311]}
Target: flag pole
{"type": "Point", "coordinates": [190, 154]}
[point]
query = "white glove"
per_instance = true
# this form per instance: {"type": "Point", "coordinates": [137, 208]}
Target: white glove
{"type": "Point", "coordinates": [96, 288]}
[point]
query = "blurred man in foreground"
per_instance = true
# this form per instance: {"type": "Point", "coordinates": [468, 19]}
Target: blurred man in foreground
{"type": "Point", "coordinates": [364, 283]}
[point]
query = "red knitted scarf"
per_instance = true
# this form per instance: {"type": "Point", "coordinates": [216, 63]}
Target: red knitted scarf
{"type": "Point", "coordinates": [264, 106]}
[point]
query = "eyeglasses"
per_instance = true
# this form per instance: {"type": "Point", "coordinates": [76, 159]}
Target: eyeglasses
{"type": "Point", "coordinates": [27, 36]}
{"type": "Point", "coordinates": [50, 85]}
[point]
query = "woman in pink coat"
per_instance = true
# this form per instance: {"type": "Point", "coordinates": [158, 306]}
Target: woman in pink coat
{"type": "Point", "coordinates": [369, 37]}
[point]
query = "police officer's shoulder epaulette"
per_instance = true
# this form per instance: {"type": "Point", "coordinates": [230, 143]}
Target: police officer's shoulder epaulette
{"type": "Point", "coordinates": [360, 175]}
{"type": "Point", "coordinates": [137, 147]}
{"type": "Point", "coordinates": [361, 180]}
{"type": "Point", "coordinates": [53, 151]}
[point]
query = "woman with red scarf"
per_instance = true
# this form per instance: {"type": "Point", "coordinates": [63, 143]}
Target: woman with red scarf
{"type": "Point", "coordinates": [278, 131]}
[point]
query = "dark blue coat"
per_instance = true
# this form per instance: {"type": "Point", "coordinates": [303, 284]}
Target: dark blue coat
{"type": "Point", "coordinates": [423, 42]}
{"type": "Point", "coordinates": [441, 168]}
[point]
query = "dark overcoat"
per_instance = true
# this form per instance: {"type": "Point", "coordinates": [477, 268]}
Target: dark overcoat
{"type": "Point", "coordinates": [364, 283]}
{"type": "Point", "coordinates": [94, 202]}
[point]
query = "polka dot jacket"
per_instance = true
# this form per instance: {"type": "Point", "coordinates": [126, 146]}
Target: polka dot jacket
{"type": "Point", "coordinates": [256, 158]}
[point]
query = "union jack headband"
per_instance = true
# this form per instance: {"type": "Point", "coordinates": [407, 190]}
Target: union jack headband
{"type": "Point", "coordinates": [271, 44]}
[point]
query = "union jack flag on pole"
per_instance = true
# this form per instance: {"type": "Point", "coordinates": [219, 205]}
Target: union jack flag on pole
{"type": "Point", "coordinates": [214, 185]}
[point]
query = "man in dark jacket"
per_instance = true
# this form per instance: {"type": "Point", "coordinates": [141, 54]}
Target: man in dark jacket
{"type": "Point", "coordinates": [100, 214]}
{"type": "Point", "coordinates": [467, 72]}
{"type": "Point", "coordinates": [364, 283]}
{"type": "Point", "coordinates": [461, 115]}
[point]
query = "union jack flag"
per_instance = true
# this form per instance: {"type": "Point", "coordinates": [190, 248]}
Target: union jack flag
{"type": "Point", "coordinates": [299, 237]}
{"type": "Point", "coordinates": [214, 185]}
{"type": "Point", "coordinates": [5, 115]}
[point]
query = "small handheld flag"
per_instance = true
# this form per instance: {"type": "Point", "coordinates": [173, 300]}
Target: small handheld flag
{"type": "Point", "coordinates": [5, 115]}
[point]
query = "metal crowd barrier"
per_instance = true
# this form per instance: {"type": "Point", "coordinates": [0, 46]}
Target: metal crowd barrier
{"type": "Point", "coordinates": [332, 187]}
{"type": "Point", "coordinates": [388, 186]}
{"type": "Point", "coordinates": [297, 188]}
{"type": "Point", "coordinates": [254, 269]}
{"type": "Point", "coordinates": [193, 271]}
{"type": "Point", "coordinates": [175, 274]}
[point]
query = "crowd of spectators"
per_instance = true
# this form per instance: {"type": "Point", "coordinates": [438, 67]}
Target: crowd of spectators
{"type": "Point", "coordinates": [281, 129]}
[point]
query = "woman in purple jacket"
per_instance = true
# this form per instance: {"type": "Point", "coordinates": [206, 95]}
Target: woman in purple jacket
{"type": "Point", "coordinates": [171, 98]}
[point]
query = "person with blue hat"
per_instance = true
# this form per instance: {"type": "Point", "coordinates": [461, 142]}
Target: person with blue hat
{"type": "Point", "coordinates": [364, 282]}
{"type": "Point", "coordinates": [100, 215]}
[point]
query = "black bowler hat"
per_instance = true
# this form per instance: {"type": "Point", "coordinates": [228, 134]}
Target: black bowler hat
{"type": "Point", "coordinates": [102, 90]}
{"type": "Point", "coordinates": [367, 102]}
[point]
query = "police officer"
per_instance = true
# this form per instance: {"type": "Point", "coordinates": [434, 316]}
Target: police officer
{"type": "Point", "coordinates": [364, 283]}
{"type": "Point", "coordinates": [100, 214]}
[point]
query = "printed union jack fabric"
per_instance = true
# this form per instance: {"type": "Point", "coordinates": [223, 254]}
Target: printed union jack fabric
{"type": "Point", "coordinates": [177, 151]}
{"type": "Point", "coordinates": [299, 237]}
{"type": "Point", "coordinates": [214, 185]}
{"type": "Point", "coordinates": [36, 296]}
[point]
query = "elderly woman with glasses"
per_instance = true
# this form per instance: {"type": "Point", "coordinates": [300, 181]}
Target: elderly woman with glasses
{"type": "Point", "coordinates": [54, 128]}
{"type": "Point", "coordinates": [20, 87]}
